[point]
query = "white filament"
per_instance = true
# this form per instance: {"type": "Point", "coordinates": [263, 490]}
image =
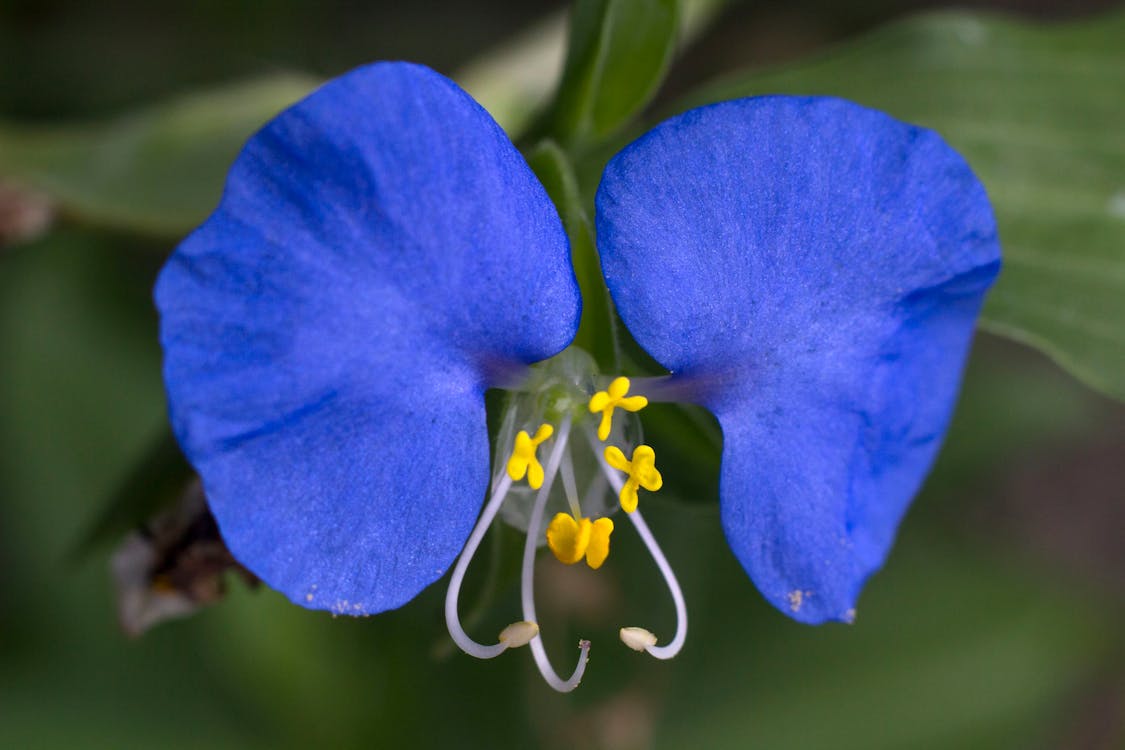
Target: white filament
{"type": "Point", "coordinates": [673, 648]}
{"type": "Point", "coordinates": [596, 488]}
{"type": "Point", "coordinates": [527, 576]}
{"type": "Point", "coordinates": [452, 621]}
{"type": "Point", "coordinates": [504, 437]}
{"type": "Point", "coordinates": [570, 487]}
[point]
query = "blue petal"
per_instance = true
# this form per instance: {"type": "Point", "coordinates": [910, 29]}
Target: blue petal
{"type": "Point", "coordinates": [813, 270]}
{"type": "Point", "coordinates": [380, 254]}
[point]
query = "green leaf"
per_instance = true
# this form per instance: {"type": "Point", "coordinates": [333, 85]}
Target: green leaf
{"type": "Point", "coordinates": [949, 650]}
{"type": "Point", "coordinates": [154, 484]}
{"type": "Point", "coordinates": [1038, 112]}
{"type": "Point", "coordinates": [597, 328]}
{"type": "Point", "coordinates": [158, 171]}
{"type": "Point", "coordinates": [619, 51]}
{"type": "Point", "coordinates": [688, 442]}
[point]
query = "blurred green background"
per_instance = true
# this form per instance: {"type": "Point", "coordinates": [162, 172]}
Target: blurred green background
{"type": "Point", "coordinates": [997, 623]}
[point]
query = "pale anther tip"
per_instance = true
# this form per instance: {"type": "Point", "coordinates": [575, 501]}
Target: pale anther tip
{"type": "Point", "coordinates": [519, 633]}
{"type": "Point", "coordinates": [638, 639]}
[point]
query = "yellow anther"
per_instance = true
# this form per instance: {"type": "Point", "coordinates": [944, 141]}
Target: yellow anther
{"type": "Point", "coordinates": [572, 540]}
{"type": "Point", "coordinates": [641, 470]}
{"type": "Point", "coordinates": [523, 460]}
{"type": "Point", "coordinates": [613, 397]}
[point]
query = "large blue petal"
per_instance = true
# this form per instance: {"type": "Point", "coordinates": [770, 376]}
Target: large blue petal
{"type": "Point", "coordinates": [813, 270]}
{"type": "Point", "coordinates": [381, 253]}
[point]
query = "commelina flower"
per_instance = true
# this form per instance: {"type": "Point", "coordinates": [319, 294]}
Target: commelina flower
{"type": "Point", "coordinates": [807, 269]}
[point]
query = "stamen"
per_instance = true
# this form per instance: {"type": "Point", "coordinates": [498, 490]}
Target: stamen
{"type": "Point", "coordinates": [598, 550]}
{"type": "Point", "coordinates": [641, 469]}
{"type": "Point", "coordinates": [527, 584]}
{"type": "Point", "coordinates": [638, 639]}
{"type": "Point", "coordinates": [677, 643]}
{"type": "Point", "coordinates": [673, 648]}
{"type": "Point", "coordinates": [452, 620]}
{"type": "Point", "coordinates": [523, 460]}
{"type": "Point", "coordinates": [571, 539]}
{"type": "Point", "coordinates": [612, 398]}
{"type": "Point", "coordinates": [519, 633]}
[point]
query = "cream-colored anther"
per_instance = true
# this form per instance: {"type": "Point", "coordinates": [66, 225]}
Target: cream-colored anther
{"type": "Point", "coordinates": [518, 634]}
{"type": "Point", "coordinates": [638, 639]}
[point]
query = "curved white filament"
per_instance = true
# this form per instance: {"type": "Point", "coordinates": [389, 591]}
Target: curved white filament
{"type": "Point", "coordinates": [677, 643]}
{"type": "Point", "coordinates": [452, 621]}
{"type": "Point", "coordinates": [673, 648]}
{"type": "Point", "coordinates": [527, 575]}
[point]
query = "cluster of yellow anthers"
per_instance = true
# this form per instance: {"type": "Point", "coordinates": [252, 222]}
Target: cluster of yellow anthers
{"type": "Point", "coordinates": [571, 538]}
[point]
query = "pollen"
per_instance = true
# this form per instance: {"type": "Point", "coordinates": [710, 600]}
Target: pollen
{"type": "Point", "coordinates": [612, 398]}
{"type": "Point", "coordinates": [571, 539]}
{"type": "Point", "coordinates": [523, 461]}
{"type": "Point", "coordinates": [518, 634]}
{"type": "Point", "coordinates": [638, 639]}
{"type": "Point", "coordinates": [642, 472]}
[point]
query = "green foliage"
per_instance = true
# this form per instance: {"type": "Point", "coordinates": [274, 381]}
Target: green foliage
{"type": "Point", "coordinates": [156, 171]}
{"type": "Point", "coordinates": [1038, 112]}
{"type": "Point", "coordinates": [912, 672]}
{"type": "Point", "coordinates": [619, 52]}
{"type": "Point", "coordinates": [597, 328]}
{"type": "Point", "coordinates": [158, 479]}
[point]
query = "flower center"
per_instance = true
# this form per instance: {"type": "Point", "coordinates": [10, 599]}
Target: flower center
{"type": "Point", "coordinates": [559, 399]}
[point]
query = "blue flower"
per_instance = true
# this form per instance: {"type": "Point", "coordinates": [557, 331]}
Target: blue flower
{"type": "Point", "coordinates": [807, 269]}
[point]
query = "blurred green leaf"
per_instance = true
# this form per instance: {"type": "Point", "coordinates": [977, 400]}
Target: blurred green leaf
{"type": "Point", "coordinates": [1013, 399]}
{"type": "Point", "coordinates": [158, 171]}
{"type": "Point", "coordinates": [618, 53]}
{"type": "Point", "coordinates": [950, 649]}
{"type": "Point", "coordinates": [689, 441]}
{"type": "Point", "coordinates": [158, 479]}
{"type": "Point", "coordinates": [596, 331]}
{"type": "Point", "coordinates": [1038, 112]}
